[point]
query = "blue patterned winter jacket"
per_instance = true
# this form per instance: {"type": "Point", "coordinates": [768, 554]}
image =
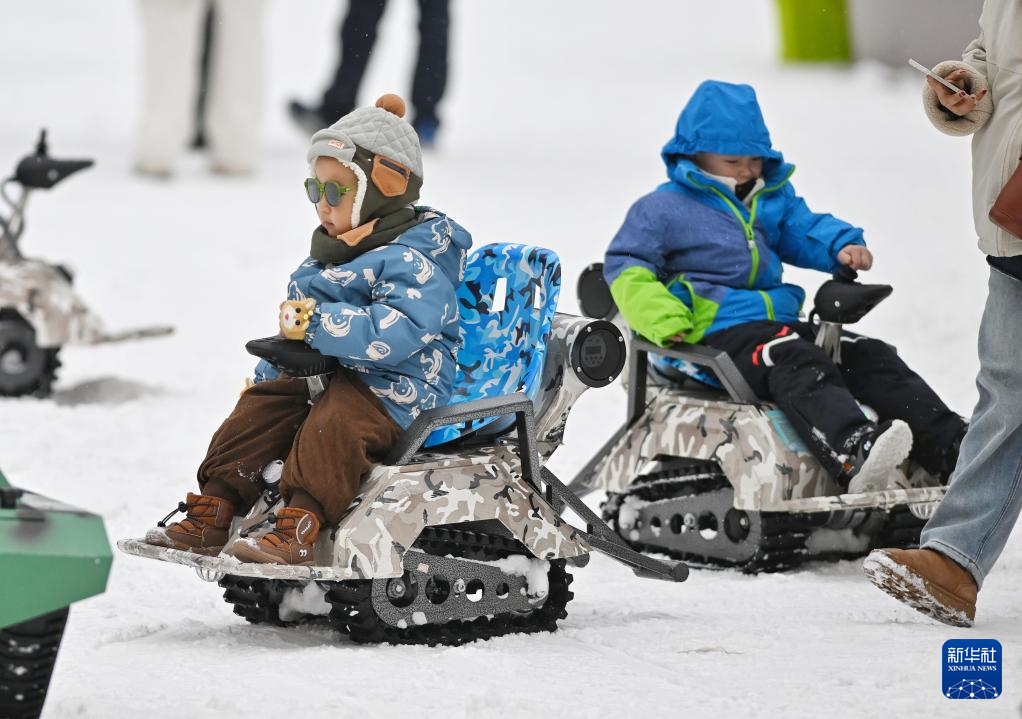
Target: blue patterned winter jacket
{"type": "Point", "coordinates": [691, 257]}
{"type": "Point", "coordinates": [391, 314]}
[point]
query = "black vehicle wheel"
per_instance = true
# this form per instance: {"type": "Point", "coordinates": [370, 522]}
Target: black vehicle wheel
{"type": "Point", "coordinates": [25, 368]}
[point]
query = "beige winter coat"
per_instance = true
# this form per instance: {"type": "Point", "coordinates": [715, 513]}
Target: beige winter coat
{"type": "Point", "coordinates": [994, 61]}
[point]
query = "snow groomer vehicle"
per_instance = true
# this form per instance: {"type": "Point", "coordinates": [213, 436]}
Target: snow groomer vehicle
{"type": "Point", "coordinates": [460, 534]}
{"type": "Point", "coordinates": [703, 471]}
{"type": "Point", "coordinates": [39, 310]}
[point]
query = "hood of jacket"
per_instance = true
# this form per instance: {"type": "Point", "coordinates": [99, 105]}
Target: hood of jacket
{"type": "Point", "coordinates": [724, 118]}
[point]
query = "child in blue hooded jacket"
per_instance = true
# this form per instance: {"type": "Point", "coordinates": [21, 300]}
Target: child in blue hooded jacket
{"type": "Point", "coordinates": [699, 260]}
{"type": "Point", "coordinates": [378, 293]}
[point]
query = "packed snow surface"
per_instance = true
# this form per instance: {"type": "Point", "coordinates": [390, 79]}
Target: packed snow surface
{"type": "Point", "coordinates": [553, 126]}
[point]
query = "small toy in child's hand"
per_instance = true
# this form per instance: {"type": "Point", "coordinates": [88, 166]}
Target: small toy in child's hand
{"type": "Point", "coordinates": [294, 317]}
{"type": "Point", "coordinates": [929, 73]}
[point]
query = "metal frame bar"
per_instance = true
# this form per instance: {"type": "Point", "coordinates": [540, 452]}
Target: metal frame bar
{"type": "Point", "coordinates": [518, 404]}
{"type": "Point", "coordinates": [716, 360]}
{"type": "Point", "coordinates": [606, 540]}
{"type": "Point", "coordinates": [597, 533]}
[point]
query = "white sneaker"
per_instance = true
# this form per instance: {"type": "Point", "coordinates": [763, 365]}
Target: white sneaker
{"type": "Point", "coordinates": [876, 459]}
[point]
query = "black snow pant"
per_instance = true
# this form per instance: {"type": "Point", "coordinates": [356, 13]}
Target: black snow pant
{"type": "Point", "coordinates": [358, 36]}
{"type": "Point", "coordinates": [783, 365]}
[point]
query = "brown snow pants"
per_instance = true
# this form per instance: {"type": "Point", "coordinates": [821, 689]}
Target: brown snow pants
{"type": "Point", "coordinates": [326, 447]}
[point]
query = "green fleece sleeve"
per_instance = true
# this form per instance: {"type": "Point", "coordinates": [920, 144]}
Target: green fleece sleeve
{"type": "Point", "coordinates": [648, 306]}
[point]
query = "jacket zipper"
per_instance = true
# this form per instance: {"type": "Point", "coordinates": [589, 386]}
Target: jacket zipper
{"type": "Point", "coordinates": [750, 233]}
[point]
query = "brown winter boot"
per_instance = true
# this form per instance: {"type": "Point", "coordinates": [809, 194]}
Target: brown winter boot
{"type": "Point", "coordinates": [927, 581]}
{"type": "Point", "coordinates": [203, 531]}
{"type": "Point", "coordinates": [289, 542]}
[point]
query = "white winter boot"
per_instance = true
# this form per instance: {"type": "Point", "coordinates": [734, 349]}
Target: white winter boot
{"type": "Point", "coordinates": [874, 457]}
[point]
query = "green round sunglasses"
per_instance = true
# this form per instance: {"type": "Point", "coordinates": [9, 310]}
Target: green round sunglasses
{"type": "Point", "coordinates": [331, 190]}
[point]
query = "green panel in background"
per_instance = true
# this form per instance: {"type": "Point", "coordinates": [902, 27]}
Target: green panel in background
{"type": "Point", "coordinates": [814, 30]}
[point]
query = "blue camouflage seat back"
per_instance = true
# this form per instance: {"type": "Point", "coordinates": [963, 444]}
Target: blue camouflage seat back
{"type": "Point", "coordinates": [507, 304]}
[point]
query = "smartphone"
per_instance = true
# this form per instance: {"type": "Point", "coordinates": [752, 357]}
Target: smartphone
{"type": "Point", "coordinates": [923, 69]}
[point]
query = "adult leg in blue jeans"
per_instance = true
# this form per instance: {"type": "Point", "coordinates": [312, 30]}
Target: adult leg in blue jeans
{"type": "Point", "coordinates": [973, 522]}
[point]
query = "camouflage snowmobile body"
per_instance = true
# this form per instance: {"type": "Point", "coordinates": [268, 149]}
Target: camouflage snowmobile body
{"type": "Point", "coordinates": [458, 535]}
{"type": "Point", "coordinates": [40, 311]}
{"type": "Point", "coordinates": [713, 475]}
{"type": "Point", "coordinates": [41, 295]}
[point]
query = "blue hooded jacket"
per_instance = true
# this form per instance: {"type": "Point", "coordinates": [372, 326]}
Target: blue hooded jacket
{"type": "Point", "coordinates": [391, 314]}
{"type": "Point", "coordinates": [691, 257]}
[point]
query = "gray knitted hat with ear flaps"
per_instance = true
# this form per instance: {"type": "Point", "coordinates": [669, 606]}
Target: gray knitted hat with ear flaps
{"type": "Point", "coordinates": [382, 149]}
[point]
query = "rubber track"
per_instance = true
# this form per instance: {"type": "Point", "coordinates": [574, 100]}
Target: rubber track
{"type": "Point", "coordinates": [353, 611]}
{"type": "Point", "coordinates": [27, 653]}
{"type": "Point", "coordinates": [257, 600]}
{"type": "Point", "coordinates": [784, 535]}
{"type": "Point", "coordinates": [900, 532]}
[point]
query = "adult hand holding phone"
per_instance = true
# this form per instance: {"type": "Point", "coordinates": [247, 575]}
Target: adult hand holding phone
{"type": "Point", "coordinates": [960, 102]}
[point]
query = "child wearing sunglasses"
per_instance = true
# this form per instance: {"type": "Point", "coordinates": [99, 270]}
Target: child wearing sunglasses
{"type": "Point", "coordinates": [378, 293]}
{"type": "Point", "coordinates": [699, 261]}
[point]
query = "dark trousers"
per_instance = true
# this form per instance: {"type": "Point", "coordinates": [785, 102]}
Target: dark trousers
{"type": "Point", "coordinates": [783, 365]}
{"type": "Point", "coordinates": [358, 36]}
{"type": "Point", "coordinates": [326, 447]}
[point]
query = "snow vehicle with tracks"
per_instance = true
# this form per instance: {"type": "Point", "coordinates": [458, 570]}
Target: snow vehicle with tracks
{"type": "Point", "coordinates": [51, 555]}
{"type": "Point", "coordinates": [705, 472]}
{"type": "Point", "coordinates": [460, 533]}
{"type": "Point", "coordinates": [39, 310]}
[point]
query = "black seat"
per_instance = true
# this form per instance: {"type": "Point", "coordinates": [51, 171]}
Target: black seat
{"type": "Point", "coordinates": [594, 298]}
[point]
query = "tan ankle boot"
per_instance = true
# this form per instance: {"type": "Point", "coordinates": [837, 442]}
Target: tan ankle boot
{"type": "Point", "coordinates": [204, 530]}
{"type": "Point", "coordinates": [289, 542]}
{"type": "Point", "coordinates": [927, 581]}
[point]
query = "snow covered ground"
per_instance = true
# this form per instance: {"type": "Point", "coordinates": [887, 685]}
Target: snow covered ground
{"type": "Point", "coordinates": [553, 126]}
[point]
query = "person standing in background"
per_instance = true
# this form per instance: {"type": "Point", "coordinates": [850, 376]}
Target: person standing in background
{"type": "Point", "coordinates": [970, 527]}
{"type": "Point", "coordinates": [357, 38]}
{"type": "Point", "coordinates": [172, 41]}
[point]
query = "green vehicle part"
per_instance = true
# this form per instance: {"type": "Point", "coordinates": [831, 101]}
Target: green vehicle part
{"type": "Point", "coordinates": [51, 554]}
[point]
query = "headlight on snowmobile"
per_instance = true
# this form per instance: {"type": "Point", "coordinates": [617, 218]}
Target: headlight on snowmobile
{"type": "Point", "coordinates": [598, 353]}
